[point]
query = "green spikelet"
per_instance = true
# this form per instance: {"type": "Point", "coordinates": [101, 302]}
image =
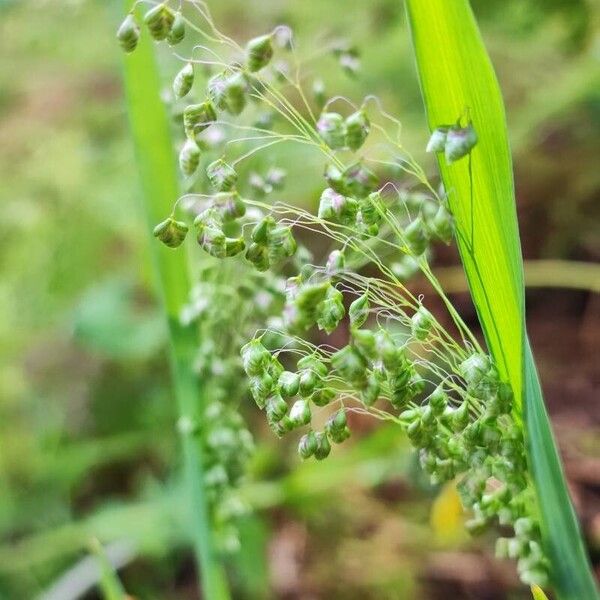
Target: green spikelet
{"type": "Point", "coordinates": [159, 21]}
{"type": "Point", "coordinates": [331, 310]}
{"type": "Point", "coordinates": [177, 32]}
{"type": "Point", "coordinates": [281, 244]}
{"type": "Point", "coordinates": [358, 127]}
{"type": "Point", "coordinates": [350, 364]}
{"type": "Point", "coordinates": [300, 413]}
{"type": "Point", "coordinates": [323, 446]}
{"type": "Point", "coordinates": [128, 34]}
{"type": "Point", "coordinates": [229, 205]}
{"type": "Point", "coordinates": [259, 52]}
{"type": "Point", "coordinates": [335, 263]}
{"type": "Point", "coordinates": [216, 90]}
{"type": "Point", "coordinates": [222, 176]}
{"type": "Point", "coordinates": [359, 310]}
{"type": "Point", "coordinates": [197, 117]}
{"type": "Point", "coordinates": [459, 142]}
{"type": "Point", "coordinates": [233, 246]}
{"type": "Point", "coordinates": [258, 255]}
{"type": "Point", "coordinates": [332, 129]}
{"type": "Point", "coordinates": [442, 225]}
{"type": "Point", "coordinates": [260, 233]}
{"type": "Point", "coordinates": [368, 209]}
{"type": "Point", "coordinates": [364, 341]}
{"type": "Point", "coordinates": [189, 157]}
{"type": "Point", "coordinates": [255, 358]}
{"type": "Point", "coordinates": [336, 207]}
{"type": "Point", "coordinates": [437, 141]}
{"type": "Point", "coordinates": [421, 323]}
{"type": "Point", "coordinates": [261, 387]}
{"type": "Point", "coordinates": [370, 392]}
{"type": "Point", "coordinates": [288, 383]}
{"type": "Point", "coordinates": [358, 180]}
{"type": "Point", "coordinates": [213, 241]}
{"type": "Point", "coordinates": [234, 94]}
{"type": "Point", "coordinates": [416, 236]}
{"type": "Point", "coordinates": [184, 80]}
{"type": "Point", "coordinates": [171, 232]}
{"type": "Point", "coordinates": [307, 445]}
{"type": "Point", "coordinates": [335, 179]}
{"type": "Point", "coordinates": [337, 428]}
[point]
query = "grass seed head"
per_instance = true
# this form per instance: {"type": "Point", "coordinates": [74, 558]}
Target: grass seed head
{"type": "Point", "coordinates": [184, 80]}
{"type": "Point", "coordinates": [177, 32]}
{"type": "Point", "coordinates": [189, 157]}
{"type": "Point", "coordinates": [171, 232]}
{"type": "Point", "coordinates": [459, 142]}
{"type": "Point", "coordinates": [259, 52]}
{"type": "Point", "coordinates": [159, 21]}
{"type": "Point", "coordinates": [358, 127]}
{"type": "Point", "coordinates": [128, 34]}
{"type": "Point", "coordinates": [332, 129]}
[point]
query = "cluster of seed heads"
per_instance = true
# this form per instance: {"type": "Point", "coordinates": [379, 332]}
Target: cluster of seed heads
{"type": "Point", "coordinates": [462, 428]}
{"type": "Point", "coordinates": [226, 442]}
{"type": "Point", "coordinates": [453, 140]}
{"type": "Point", "coordinates": [399, 363]}
{"type": "Point", "coordinates": [162, 23]}
{"type": "Point", "coordinates": [227, 447]}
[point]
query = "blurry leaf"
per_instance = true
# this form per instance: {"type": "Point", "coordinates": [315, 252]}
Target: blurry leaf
{"type": "Point", "coordinates": [154, 526]}
{"type": "Point", "coordinates": [481, 196]}
{"type": "Point", "coordinates": [250, 565]}
{"type": "Point", "coordinates": [110, 320]}
{"type": "Point", "coordinates": [447, 515]}
{"type": "Point", "coordinates": [538, 593]}
{"type": "Point", "coordinates": [110, 584]}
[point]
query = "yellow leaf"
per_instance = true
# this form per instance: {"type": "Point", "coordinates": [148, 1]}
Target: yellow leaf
{"type": "Point", "coordinates": [447, 516]}
{"type": "Point", "coordinates": [538, 593]}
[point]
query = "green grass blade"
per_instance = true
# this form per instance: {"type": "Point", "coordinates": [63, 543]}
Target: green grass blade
{"type": "Point", "coordinates": [457, 78]}
{"type": "Point", "coordinates": [110, 584]}
{"type": "Point", "coordinates": [538, 593]}
{"type": "Point", "coordinates": [565, 546]}
{"type": "Point", "coordinates": [149, 126]}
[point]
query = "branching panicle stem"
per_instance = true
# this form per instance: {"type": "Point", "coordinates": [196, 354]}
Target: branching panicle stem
{"type": "Point", "coordinates": [400, 363]}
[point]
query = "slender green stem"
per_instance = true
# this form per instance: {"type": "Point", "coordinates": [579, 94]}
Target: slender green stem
{"type": "Point", "coordinates": [159, 181]}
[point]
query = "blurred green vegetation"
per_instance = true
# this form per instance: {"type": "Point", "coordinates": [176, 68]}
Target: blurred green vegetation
{"type": "Point", "coordinates": [87, 440]}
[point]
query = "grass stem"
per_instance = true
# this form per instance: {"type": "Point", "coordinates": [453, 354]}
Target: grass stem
{"type": "Point", "coordinates": [160, 189]}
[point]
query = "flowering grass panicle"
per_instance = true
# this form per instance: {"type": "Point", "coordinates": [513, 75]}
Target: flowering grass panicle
{"type": "Point", "coordinates": [399, 362]}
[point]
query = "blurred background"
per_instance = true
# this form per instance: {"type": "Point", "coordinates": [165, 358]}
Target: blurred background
{"type": "Point", "coordinates": [88, 446]}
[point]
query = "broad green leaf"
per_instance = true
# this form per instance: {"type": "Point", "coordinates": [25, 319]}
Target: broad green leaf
{"type": "Point", "coordinates": [457, 80]}
{"type": "Point", "coordinates": [156, 165]}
